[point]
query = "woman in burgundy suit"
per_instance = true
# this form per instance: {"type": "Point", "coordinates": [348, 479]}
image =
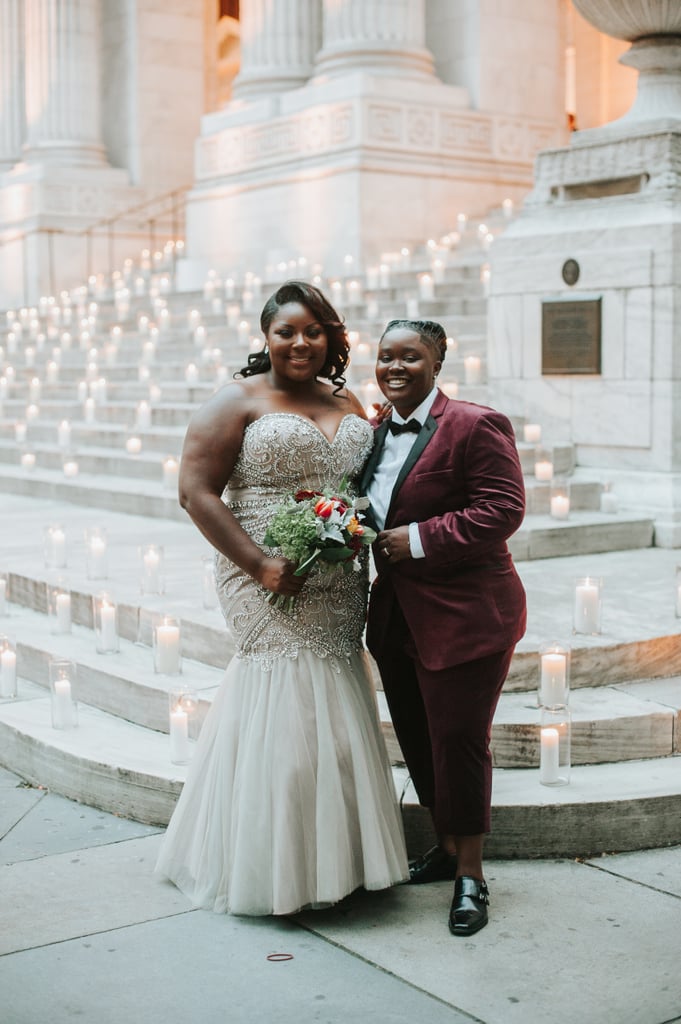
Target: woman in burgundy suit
{"type": "Point", "coordinates": [447, 606]}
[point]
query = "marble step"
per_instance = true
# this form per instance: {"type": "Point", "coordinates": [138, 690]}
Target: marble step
{"type": "Point", "coordinates": [609, 723]}
{"type": "Point", "coordinates": [583, 533]}
{"type": "Point", "coordinates": [125, 769]}
{"type": "Point", "coordinates": [103, 461]}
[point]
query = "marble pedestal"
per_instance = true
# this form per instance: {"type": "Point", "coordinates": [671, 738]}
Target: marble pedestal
{"type": "Point", "coordinates": [357, 164]}
{"type": "Point", "coordinates": [612, 203]}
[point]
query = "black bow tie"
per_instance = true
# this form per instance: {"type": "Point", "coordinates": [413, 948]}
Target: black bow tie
{"type": "Point", "coordinates": [410, 427]}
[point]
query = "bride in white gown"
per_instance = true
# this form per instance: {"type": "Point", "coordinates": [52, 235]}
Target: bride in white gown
{"type": "Point", "coordinates": [289, 800]}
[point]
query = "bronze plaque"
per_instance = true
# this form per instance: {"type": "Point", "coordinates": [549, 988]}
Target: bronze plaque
{"type": "Point", "coordinates": [571, 337]}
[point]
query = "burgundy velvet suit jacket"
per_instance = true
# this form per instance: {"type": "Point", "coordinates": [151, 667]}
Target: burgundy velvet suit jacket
{"type": "Point", "coordinates": [463, 484]}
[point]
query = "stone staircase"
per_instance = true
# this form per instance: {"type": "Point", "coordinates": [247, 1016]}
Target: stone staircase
{"type": "Point", "coordinates": [625, 788]}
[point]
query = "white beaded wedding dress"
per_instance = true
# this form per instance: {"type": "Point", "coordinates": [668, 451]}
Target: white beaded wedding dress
{"type": "Point", "coordinates": [289, 800]}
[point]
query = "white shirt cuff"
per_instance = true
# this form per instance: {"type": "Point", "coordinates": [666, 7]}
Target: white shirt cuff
{"type": "Point", "coordinates": [415, 541]}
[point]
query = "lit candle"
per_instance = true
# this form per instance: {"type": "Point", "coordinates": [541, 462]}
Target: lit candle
{"type": "Point", "coordinates": [171, 472]}
{"type": "Point", "coordinates": [384, 275]}
{"type": "Point", "coordinates": [587, 607]}
{"type": "Point", "coordinates": [8, 673]}
{"type": "Point", "coordinates": [560, 506]}
{"type": "Point", "coordinates": [20, 432]}
{"type": "Point", "coordinates": [191, 374]}
{"type": "Point", "coordinates": [151, 560]}
{"type": "Point", "coordinates": [70, 468]}
{"type": "Point", "coordinates": [608, 502]}
{"type": "Point", "coordinates": [89, 410]}
{"type": "Point", "coordinates": [472, 368]}
{"type": "Point", "coordinates": [63, 711]}
{"type": "Point", "coordinates": [97, 558]}
{"type": "Point", "coordinates": [549, 756]}
{"type": "Point", "coordinates": [34, 390]}
{"type": "Point", "coordinates": [553, 679]}
{"type": "Point", "coordinates": [57, 540]}
{"type": "Point", "coordinates": [426, 287]}
{"type": "Point", "coordinates": [64, 434]}
{"type": "Point", "coordinates": [168, 650]}
{"type": "Point", "coordinates": [543, 470]}
{"type": "Point", "coordinates": [107, 617]}
{"type": "Point", "coordinates": [133, 446]}
{"type": "Point", "coordinates": [532, 433]}
{"type": "Point", "coordinates": [28, 460]}
{"type": "Point", "coordinates": [179, 736]}
{"type": "Point", "coordinates": [62, 605]}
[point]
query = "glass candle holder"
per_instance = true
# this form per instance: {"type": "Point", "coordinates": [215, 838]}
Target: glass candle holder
{"type": "Point", "coordinates": [608, 499]}
{"type": "Point", "coordinates": [54, 544]}
{"type": "Point", "coordinates": [182, 708]}
{"type": "Point", "coordinates": [559, 501]}
{"type": "Point", "coordinates": [166, 641]}
{"type": "Point", "coordinates": [171, 472]}
{"type": "Point", "coordinates": [543, 464]}
{"type": "Point", "coordinates": [587, 605]}
{"type": "Point", "coordinates": [208, 589]}
{"type": "Point", "coordinates": [96, 549]}
{"type": "Point", "coordinates": [8, 668]}
{"type": "Point", "coordinates": [59, 607]}
{"type": "Point", "coordinates": [4, 594]}
{"type": "Point", "coordinates": [677, 592]}
{"type": "Point", "coordinates": [105, 623]}
{"type": "Point", "coordinates": [62, 694]}
{"type": "Point", "coordinates": [151, 563]}
{"type": "Point", "coordinates": [532, 433]}
{"type": "Point", "coordinates": [554, 675]}
{"type": "Point", "coordinates": [554, 746]}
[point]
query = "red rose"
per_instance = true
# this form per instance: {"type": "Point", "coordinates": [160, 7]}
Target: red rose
{"type": "Point", "coordinates": [324, 508]}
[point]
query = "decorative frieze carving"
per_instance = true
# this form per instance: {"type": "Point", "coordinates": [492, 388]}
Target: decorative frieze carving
{"type": "Point", "coordinates": [418, 129]}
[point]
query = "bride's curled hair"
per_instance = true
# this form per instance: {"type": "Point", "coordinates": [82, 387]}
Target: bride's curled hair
{"type": "Point", "coordinates": [338, 347]}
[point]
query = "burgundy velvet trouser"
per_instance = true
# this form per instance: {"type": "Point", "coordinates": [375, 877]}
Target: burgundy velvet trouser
{"type": "Point", "coordinates": [443, 723]}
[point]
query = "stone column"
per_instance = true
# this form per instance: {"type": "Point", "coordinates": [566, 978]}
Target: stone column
{"type": "Point", "coordinates": [12, 111]}
{"type": "Point", "coordinates": [279, 40]}
{"type": "Point", "coordinates": [375, 35]}
{"type": "Point", "coordinates": [62, 82]}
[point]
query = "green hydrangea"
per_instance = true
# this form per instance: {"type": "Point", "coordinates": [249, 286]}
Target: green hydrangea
{"type": "Point", "coordinates": [293, 529]}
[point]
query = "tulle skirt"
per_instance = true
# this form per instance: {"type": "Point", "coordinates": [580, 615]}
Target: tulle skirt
{"type": "Point", "coordinates": [289, 800]}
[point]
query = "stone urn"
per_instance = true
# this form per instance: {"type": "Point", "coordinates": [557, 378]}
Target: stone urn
{"type": "Point", "coordinates": [653, 27]}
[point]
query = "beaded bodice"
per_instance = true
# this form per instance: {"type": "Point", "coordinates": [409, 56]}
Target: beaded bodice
{"type": "Point", "coordinates": [280, 453]}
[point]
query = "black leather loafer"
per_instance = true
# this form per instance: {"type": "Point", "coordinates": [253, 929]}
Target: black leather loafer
{"type": "Point", "coordinates": [468, 913]}
{"type": "Point", "coordinates": [434, 866]}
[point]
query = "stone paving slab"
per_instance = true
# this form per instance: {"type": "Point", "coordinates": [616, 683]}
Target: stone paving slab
{"type": "Point", "coordinates": [565, 943]}
{"type": "Point", "coordinates": [15, 803]}
{"type": "Point", "coordinates": [57, 825]}
{"type": "Point", "coordinates": [201, 967]}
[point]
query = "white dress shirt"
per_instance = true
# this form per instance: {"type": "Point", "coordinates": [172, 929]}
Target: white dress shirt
{"type": "Point", "coordinates": [396, 448]}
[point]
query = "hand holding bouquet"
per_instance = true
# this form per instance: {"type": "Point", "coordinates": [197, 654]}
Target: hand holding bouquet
{"type": "Point", "coordinates": [321, 528]}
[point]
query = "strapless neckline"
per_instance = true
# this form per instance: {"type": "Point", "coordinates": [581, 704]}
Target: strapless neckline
{"type": "Point", "coordinates": [310, 423]}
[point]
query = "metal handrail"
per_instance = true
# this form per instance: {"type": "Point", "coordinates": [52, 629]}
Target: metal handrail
{"type": "Point", "coordinates": [167, 204]}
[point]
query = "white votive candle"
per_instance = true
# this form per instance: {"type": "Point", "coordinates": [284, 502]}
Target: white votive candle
{"type": "Point", "coordinates": [8, 673]}
{"type": "Point", "coordinates": [532, 433]}
{"type": "Point", "coordinates": [58, 545]}
{"type": "Point", "coordinates": [587, 607]}
{"type": "Point", "coordinates": [543, 470]}
{"type": "Point", "coordinates": [108, 627]}
{"type": "Point", "coordinates": [133, 446]}
{"type": "Point", "coordinates": [472, 369]}
{"type": "Point", "coordinates": [549, 756]}
{"type": "Point", "coordinates": [179, 736]}
{"type": "Point", "coordinates": [168, 650]}
{"type": "Point", "coordinates": [608, 502]}
{"type": "Point", "coordinates": [28, 460]}
{"type": "Point", "coordinates": [426, 287]}
{"type": "Point", "coordinates": [70, 468]}
{"type": "Point", "coordinates": [560, 506]}
{"type": "Point", "coordinates": [97, 560]}
{"type": "Point", "coordinates": [63, 711]}
{"type": "Point", "coordinates": [151, 561]}
{"type": "Point", "coordinates": [62, 605]}
{"type": "Point", "coordinates": [64, 434]}
{"type": "Point", "coordinates": [553, 679]}
{"type": "Point", "coordinates": [171, 472]}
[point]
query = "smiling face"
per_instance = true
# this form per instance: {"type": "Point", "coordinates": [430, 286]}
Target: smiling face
{"type": "Point", "coordinates": [406, 369]}
{"type": "Point", "coordinates": [297, 344]}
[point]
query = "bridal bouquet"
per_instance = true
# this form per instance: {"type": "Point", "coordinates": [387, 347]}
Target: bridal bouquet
{"type": "Point", "coordinates": [321, 528]}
